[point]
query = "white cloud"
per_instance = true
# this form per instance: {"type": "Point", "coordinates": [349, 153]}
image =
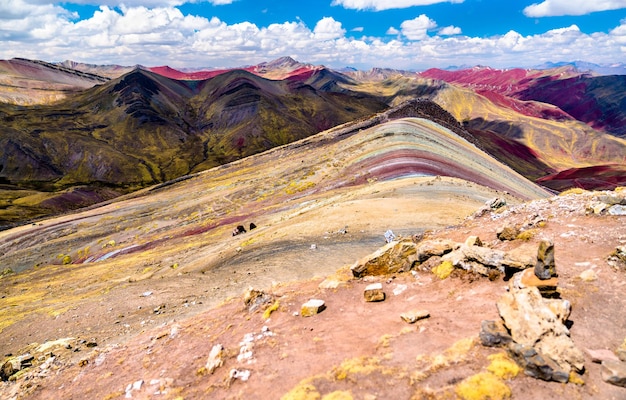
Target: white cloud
{"type": "Point", "coordinates": [417, 28]}
{"type": "Point", "coordinates": [379, 5]}
{"type": "Point", "coordinates": [327, 29]}
{"type": "Point", "coordinates": [450, 30]}
{"type": "Point", "coordinates": [357, 29]}
{"type": "Point", "coordinates": [164, 35]}
{"type": "Point", "coordinates": [551, 8]}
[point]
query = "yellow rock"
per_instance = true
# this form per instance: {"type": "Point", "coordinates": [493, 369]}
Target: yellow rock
{"type": "Point", "coordinates": [483, 386]}
{"type": "Point", "coordinates": [443, 270]}
{"type": "Point", "coordinates": [312, 307]}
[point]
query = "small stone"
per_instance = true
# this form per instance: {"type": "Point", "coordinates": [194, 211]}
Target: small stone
{"type": "Point", "coordinates": [495, 203]}
{"type": "Point", "coordinates": [374, 292]}
{"type": "Point", "coordinates": [494, 334]}
{"type": "Point", "coordinates": [588, 275]}
{"type": "Point", "coordinates": [312, 307]}
{"type": "Point", "coordinates": [242, 375]}
{"type": "Point", "coordinates": [9, 368]}
{"type": "Point", "coordinates": [507, 233]}
{"type": "Point", "coordinates": [614, 372]}
{"type": "Point", "coordinates": [600, 355]}
{"type": "Point", "coordinates": [545, 267]}
{"type": "Point", "coordinates": [413, 316]}
{"type": "Point", "coordinates": [528, 278]}
{"type": "Point", "coordinates": [253, 299]}
{"type": "Point", "coordinates": [620, 253]}
{"type": "Point", "coordinates": [216, 359]}
{"type": "Point", "coordinates": [617, 209]}
{"type": "Point", "coordinates": [473, 241]}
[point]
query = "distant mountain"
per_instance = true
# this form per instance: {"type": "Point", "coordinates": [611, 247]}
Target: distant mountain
{"type": "Point", "coordinates": [111, 71]}
{"type": "Point", "coordinates": [102, 132]}
{"type": "Point", "coordinates": [377, 74]}
{"type": "Point", "coordinates": [144, 128]}
{"type": "Point", "coordinates": [26, 82]}
{"type": "Point", "coordinates": [587, 67]}
{"type": "Point", "coordinates": [595, 100]}
{"type": "Point", "coordinates": [279, 69]}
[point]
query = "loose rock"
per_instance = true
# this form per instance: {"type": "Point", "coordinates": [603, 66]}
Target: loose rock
{"type": "Point", "coordinates": [494, 334]}
{"type": "Point", "coordinates": [374, 292]}
{"type": "Point", "coordinates": [216, 359]}
{"type": "Point", "coordinates": [600, 355]}
{"type": "Point", "coordinates": [545, 267]}
{"type": "Point", "coordinates": [413, 316]}
{"type": "Point", "coordinates": [588, 275]}
{"type": "Point", "coordinates": [312, 307]}
{"type": "Point", "coordinates": [507, 233]}
{"type": "Point", "coordinates": [614, 372]}
{"type": "Point", "coordinates": [527, 278]}
{"type": "Point", "coordinates": [537, 365]}
{"type": "Point", "coordinates": [253, 299]}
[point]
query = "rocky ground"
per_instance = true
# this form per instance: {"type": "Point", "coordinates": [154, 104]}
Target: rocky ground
{"type": "Point", "coordinates": [259, 344]}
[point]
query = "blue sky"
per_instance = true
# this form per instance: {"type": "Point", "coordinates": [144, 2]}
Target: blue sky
{"type": "Point", "coordinates": [403, 34]}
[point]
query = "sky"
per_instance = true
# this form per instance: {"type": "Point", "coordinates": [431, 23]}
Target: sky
{"type": "Point", "coordinates": [401, 34]}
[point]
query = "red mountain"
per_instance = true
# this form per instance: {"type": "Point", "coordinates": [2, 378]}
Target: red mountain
{"type": "Point", "coordinates": [596, 100]}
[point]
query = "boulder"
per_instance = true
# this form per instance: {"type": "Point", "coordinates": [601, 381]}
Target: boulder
{"type": "Point", "coordinates": [374, 292]}
{"type": "Point", "coordinates": [614, 372]}
{"type": "Point", "coordinates": [527, 317]}
{"type": "Point", "coordinates": [520, 258]}
{"type": "Point", "coordinates": [312, 307]}
{"type": "Point", "coordinates": [396, 256]}
{"type": "Point", "coordinates": [534, 325]}
{"type": "Point", "coordinates": [400, 256]}
{"type": "Point", "coordinates": [465, 255]}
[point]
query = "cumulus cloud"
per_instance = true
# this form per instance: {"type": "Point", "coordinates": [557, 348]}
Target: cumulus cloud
{"type": "Point", "coordinates": [450, 30]}
{"type": "Point", "coordinates": [327, 28]}
{"type": "Point", "coordinates": [165, 35]}
{"type": "Point", "coordinates": [417, 28]}
{"type": "Point", "coordinates": [379, 5]}
{"type": "Point", "coordinates": [551, 8]}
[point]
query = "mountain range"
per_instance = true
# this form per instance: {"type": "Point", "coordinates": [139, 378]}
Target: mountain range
{"type": "Point", "coordinates": [162, 229]}
{"type": "Point", "coordinates": [76, 134]}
